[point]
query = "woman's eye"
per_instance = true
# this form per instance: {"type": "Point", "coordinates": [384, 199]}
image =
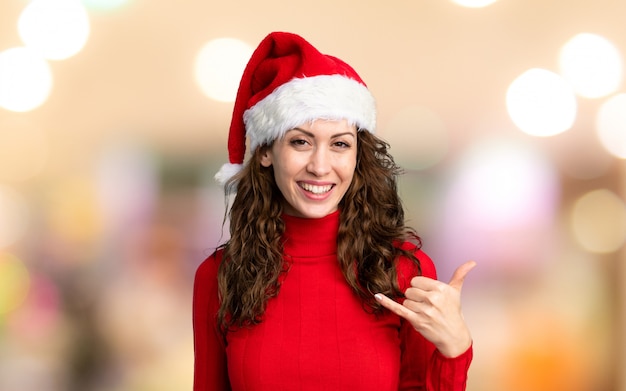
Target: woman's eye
{"type": "Point", "coordinates": [342, 144]}
{"type": "Point", "coordinates": [298, 142]}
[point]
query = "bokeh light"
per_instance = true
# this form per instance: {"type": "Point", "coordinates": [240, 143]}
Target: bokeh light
{"type": "Point", "coordinates": [611, 125]}
{"type": "Point", "coordinates": [13, 216]}
{"type": "Point", "coordinates": [474, 3]}
{"type": "Point", "coordinates": [24, 149]}
{"type": "Point", "coordinates": [541, 103]}
{"type": "Point", "coordinates": [25, 79]}
{"type": "Point", "coordinates": [426, 128]}
{"type": "Point", "coordinates": [503, 184]}
{"type": "Point", "coordinates": [58, 29]}
{"type": "Point", "coordinates": [499, 208]}
{"type": "Point", "coordinates": [104, 4]}
{"type": "Point", "coordinates": [219, 66]}
{"type": "Point", "coordinates": [39, 313]}
{"type": "Point", "coordinates": [598, 221]}
{"type": "Point", "coordinates": [544, 355]}
{"type": "Point", "coordinates": [14, 283]}
{"type": "Point", "coordinates": [592, 64]}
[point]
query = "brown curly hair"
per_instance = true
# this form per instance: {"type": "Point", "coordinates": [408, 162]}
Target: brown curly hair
{"type": "Point", "coordinates": [370, 228]}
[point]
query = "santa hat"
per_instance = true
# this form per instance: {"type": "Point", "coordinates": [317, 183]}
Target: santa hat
{"type": "Point", "coordinates": [287, 83]}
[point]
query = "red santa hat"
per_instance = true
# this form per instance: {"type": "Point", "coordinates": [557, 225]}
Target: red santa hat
{"type": "Point", "coordinates": [286, 83]}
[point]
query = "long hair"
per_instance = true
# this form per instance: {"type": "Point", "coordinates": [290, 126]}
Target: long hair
{"type": "Point", "coordinates": [371, 225]}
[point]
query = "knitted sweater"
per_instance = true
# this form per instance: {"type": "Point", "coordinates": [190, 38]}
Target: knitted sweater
{"type": "Point", "coordinates": [316, 335]}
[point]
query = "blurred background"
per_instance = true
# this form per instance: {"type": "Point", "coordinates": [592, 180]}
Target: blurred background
{"type": "Point", "coordinates": [509, 118]}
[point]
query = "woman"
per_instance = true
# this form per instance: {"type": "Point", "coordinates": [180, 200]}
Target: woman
{"type": "Point", "coordinates": [321, 286]}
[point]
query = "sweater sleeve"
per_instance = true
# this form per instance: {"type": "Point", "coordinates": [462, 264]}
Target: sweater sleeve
{"type": "Point", "coordinates": [423, 367]}
{"type": "Point", "coordinates": [210, 370]}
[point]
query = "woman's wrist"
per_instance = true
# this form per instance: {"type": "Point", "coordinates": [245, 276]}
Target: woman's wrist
{"type": "Point", "coordinates": [455, 348]}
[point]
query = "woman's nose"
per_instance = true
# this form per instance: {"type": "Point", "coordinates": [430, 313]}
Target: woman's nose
{"type": "Point", "coordinates": [319, 163]}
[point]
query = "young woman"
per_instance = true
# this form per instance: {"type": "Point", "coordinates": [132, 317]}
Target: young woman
{"type": "Point", "coordinates": [321, 285]}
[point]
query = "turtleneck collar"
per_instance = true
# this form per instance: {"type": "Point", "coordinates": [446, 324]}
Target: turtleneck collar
{"type": "Point", "coordinates": [306, 237]}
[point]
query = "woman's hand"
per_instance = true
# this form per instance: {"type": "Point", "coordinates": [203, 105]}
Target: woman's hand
{"type": "Point", "coordinates": [434, 309]}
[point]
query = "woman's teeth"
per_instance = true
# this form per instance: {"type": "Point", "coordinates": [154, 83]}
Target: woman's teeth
{"type": "Point", "coordinates": [316, 189]}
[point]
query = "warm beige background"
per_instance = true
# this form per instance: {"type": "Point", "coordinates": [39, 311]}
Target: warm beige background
{"type": "Point", "coordinates": [121, 319]}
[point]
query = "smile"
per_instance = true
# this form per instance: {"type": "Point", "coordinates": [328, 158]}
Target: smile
{"type": "Point", "coordinates": [315, 189]}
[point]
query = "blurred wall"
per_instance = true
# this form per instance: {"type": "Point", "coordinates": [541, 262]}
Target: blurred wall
{"type": "Point", "coordinates": [107, 202]}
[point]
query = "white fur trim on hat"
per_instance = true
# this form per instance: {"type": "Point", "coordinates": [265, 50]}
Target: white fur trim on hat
{"type": "Point", "coordinates": [227, 171]}
{"type": "Point", "coordinates": [301, 100]}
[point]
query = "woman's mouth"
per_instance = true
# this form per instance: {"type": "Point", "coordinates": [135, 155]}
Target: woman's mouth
{"type": "Point", "coordinates": [315, 189]}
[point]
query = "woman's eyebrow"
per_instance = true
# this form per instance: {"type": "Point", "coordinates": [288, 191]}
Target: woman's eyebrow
{"type": "Point", "coordinates": [343, 134]}
{"type": "Point", "coordinates": [311, 134]}
{"type": "Point", "coordinates": [306, 132]}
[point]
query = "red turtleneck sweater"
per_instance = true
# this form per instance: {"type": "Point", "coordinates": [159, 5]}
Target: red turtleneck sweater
{"type": "Point", "coordinates": [315, 334]}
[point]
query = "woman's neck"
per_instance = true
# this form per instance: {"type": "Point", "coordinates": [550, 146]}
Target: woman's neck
{"type": "Point", "coordinates": [311, 237]}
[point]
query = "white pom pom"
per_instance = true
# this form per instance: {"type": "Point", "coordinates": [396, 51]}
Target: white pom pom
{"type": "Point", "coordinates": [227, 171]}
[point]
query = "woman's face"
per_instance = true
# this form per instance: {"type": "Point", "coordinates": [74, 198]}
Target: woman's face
{"type": "Point", "coordinates": [313, 166]}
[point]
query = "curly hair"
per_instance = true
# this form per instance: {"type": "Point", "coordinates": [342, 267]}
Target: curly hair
{"type": "Point", "coordinates": [371, 226]}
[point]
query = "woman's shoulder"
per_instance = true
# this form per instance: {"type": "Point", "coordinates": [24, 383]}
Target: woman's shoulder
{"type": "Point", "coordinates": [407, 269]}
{"type": "Point", "coordinates": [207, 270]}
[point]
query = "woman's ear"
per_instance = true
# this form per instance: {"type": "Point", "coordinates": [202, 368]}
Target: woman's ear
{"type": "Point", "coordinates": [265, 156]}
